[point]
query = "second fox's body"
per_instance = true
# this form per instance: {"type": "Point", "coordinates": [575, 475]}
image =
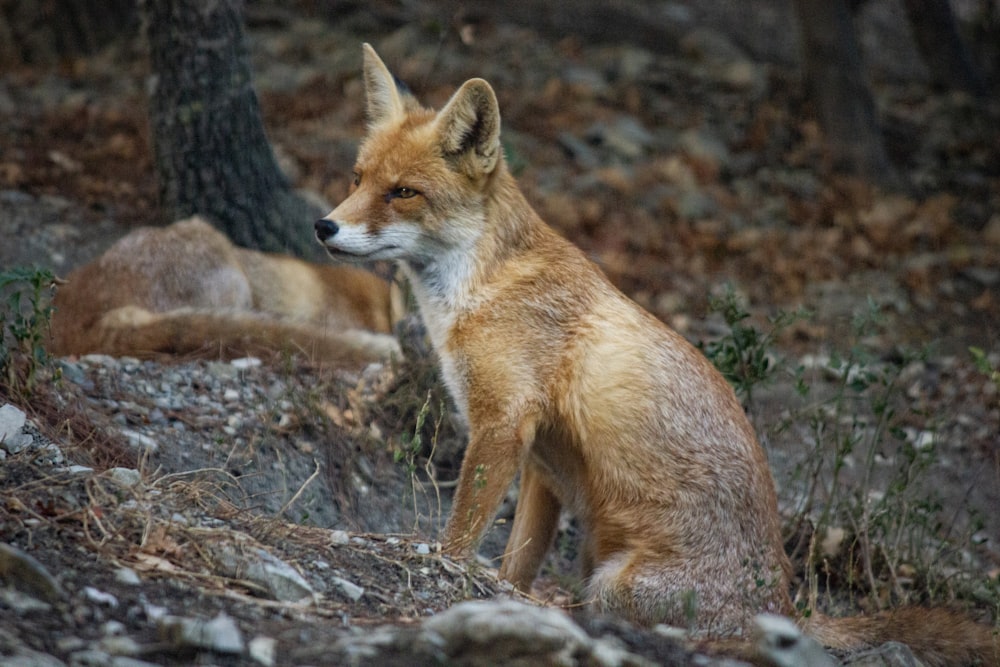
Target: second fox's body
{"type": "Point", "coordinates": [185, 289]}
{"type": "Point", "coordinates": [603, 409]}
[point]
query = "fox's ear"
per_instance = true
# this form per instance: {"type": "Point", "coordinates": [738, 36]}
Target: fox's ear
{"type": "Point", "coordinates": [469, 128]}
{"type": "Point", "coordinates": [384, 102]}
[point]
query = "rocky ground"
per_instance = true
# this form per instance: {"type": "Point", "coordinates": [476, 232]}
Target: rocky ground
{"type": "Point", "coordinates": [276, 513]}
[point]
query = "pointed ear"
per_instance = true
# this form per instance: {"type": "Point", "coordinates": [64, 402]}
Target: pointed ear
{"type": "Point", "coordinates": [469, 128]}
{"type": "Point", "coordinates": [383, 99]}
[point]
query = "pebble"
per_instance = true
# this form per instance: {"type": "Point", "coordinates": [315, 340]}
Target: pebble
{"type": "Point", "coordinates": [263, 650]}
{"type": "Point", "coordinates": [125, 476]}
{"type": "Point", "coordinates": [100, 597]}
{"type": "Point", "coordinates": [21, 603]}
{"type": "Point", "coordinates": [127, 575]}
{"type": "Point", "coordinates": [245, 363]}
{"type": "Point", "coordinates": [140, 441]}
{"type": "Point", "coordinates": [221, 634]}
{"type": "Point", "coordinates": [350, 589]}
{"type": "Point", "coordinates": [12, 437]}
{"type": "Point", "coordinates": [704, 146]}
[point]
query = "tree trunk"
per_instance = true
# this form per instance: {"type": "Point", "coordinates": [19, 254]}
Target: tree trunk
{"type": "Point", "coordinates": [45, 32]}
{"type": "Point", "coordinates": [212, 154]}
{"type": "Point", "coordinates": [834, 81]}
{"type": "Point", "coordinates": [941, 47]}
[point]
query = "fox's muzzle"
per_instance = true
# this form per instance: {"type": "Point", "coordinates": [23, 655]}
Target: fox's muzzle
{"type": "Point", "coordinates": [325, 229]}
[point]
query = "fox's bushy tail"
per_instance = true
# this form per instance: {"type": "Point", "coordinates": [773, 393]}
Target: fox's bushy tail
{"type": "Point", "coordinates": [938, 637]}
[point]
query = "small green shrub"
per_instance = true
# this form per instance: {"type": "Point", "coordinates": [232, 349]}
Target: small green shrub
{"type": "Point", "coordinates": [744, 355]}
{"type": "Point", "coordinates": [983, 363]}
{"type": "Point", "coordinates": [866, 451]}
{"type": "Point", "coordinates": [24, 322]}
{"type": "Point", "coordinates": [412, 454]}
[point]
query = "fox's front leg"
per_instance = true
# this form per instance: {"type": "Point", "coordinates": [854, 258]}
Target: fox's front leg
{"type": "Point", "coordinates": [491, 461]}
{"type": "Point", "coordinates": [535, 523]}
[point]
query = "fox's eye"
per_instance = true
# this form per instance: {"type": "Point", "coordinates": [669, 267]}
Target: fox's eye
{"type": "Point", "coordinates": [356, 178]}
{"type": "Point", "coordinates": [400, 193]}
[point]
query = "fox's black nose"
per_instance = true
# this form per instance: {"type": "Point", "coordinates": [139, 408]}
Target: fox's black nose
{"type": "Point", "coordinates": [325, 229]}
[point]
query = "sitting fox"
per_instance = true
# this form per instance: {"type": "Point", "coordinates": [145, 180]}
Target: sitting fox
{"type": "Point", "coordinates": [185, 289]}
{"type": "Point", "coordinates": [603, 409]}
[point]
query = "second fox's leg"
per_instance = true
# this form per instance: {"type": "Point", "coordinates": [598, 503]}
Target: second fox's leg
{"type": "Point", "coordinates": [535, 521]}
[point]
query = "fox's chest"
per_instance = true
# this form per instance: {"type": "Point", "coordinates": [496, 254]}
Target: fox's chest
{"type": "Point", "coordinates": [454, 379]}
{"type": "Point", "coordinates": [451, 360]}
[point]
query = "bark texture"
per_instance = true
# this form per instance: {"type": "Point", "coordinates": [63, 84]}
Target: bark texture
{"type": "Point", "coordinates": [212, 154]}
{"type": "Point", "coordinates": [941, 48]}
{"type": "Point", "coordinates": [46, 32]}
{"type": "Point", "coordinates": [835, 82]}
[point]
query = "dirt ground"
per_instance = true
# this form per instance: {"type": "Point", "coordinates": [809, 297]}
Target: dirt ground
{"type": "Point", "coordinates": [680, 171]}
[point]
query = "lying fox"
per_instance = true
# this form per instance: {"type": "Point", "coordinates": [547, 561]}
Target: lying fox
{"type": "Point", "coordinates": [186, 289]}
{"type": "Point", "coordinates": [603, 409]}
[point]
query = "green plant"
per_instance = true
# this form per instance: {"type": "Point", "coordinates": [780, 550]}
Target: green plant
{"type": "Point", "coordinates": [865, 453]}
{"type": "Point", "coordinates": [409, 452]}
{"type": "Point", "coordinates": [983, 363]}
{"type": "Point", "coordinates": [743, 355]}
{"type": "Point", "coordinates": [24, 325]}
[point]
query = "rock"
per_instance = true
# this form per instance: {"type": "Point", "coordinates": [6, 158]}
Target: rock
{"type": "Point", "coordinates": [282, 581]}
{"type": "Point", "coordinates": [890, 654]}
{"type": "Point", "coordinates": [140, 441]}
{"type": "Point", "coordinates": [245, 363]}
{"type": "Point", "coordinates": [704, 147]}
{"type": "Point", "coordinates": [482, 633]}
{"type": "Point", "coordinates": [274, 577]}
{"type": "Point", "coordinates": [350, 589]}
{"type": "Point", "coordinates": [262, 650]}
{"type": "Point", "coordinates": [781, 643]}
{"type": "Point", "coordinates": [100, 597]}
{"type": "Point", "coordinates": [27, 574]}
{"type": "Point", "coordinates": [12, 438]}
{"type": "Point", "coordinates": [220, 634]}
{"type": "Point", "coordinates": [120, 646]}
{"type": "Point", "coordinates": [21, 603]}
{"type": "Point", "coordinates": [497, 632]}
{"type": "Point", "coordinates": [126, 575]}
{"type": "Point", "coordinates": [625, 137]}
{"type": "Point", "coordinates": [125, 476]}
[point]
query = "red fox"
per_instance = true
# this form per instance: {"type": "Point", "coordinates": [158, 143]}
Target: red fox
{"type": "Point", "coordinates": [186, 289]}
{"type": "Point", "coordinates": [602, 408]}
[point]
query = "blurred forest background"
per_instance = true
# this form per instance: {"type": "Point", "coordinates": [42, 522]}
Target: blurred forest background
{"type": "Point", "coordinates": [786, 145]}
{"type": "Point", "coordinates": [725, 162]}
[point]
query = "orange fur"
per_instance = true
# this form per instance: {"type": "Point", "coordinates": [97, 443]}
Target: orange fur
{"type": "Point", "coordinates": [603, 409]}
{"type": "Point", "coordinates": [186, 289]}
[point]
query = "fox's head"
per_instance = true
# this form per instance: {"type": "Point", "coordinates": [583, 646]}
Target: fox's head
{"type": "Point", "coordinates": [421, 177]}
